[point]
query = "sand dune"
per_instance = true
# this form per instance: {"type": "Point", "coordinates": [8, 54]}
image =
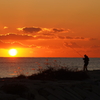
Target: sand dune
{"type": "Point", "coordinates": [25, 89]}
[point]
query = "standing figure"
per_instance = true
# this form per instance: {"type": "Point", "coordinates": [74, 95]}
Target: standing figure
{"type": "Point", "coordinates": [86, 62]}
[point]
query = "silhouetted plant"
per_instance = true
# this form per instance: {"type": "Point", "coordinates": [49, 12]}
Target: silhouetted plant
{"type": "Point", "coordinates": [21, 76]}
{"type": "Point", "coordinates": [62, 73]}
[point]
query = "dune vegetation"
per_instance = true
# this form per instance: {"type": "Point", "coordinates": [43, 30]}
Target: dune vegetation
{"type": "Point", "coordinates": [62, 73]}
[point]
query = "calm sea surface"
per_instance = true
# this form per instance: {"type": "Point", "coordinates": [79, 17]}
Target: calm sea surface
{"type": "Point", "coordinates": [10, 67]}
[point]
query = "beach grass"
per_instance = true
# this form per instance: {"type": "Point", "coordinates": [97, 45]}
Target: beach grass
{"type": "Point", "coordinates": [62, 73]}
{"type": "Point", "coordinates": [59, 74]}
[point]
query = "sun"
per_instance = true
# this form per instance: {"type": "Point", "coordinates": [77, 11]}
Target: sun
{"type": "Point", "coordinates": [13, 52]}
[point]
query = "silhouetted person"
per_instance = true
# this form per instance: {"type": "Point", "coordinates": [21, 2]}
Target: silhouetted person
{"type": "Point", "coordinates": [86, 62]}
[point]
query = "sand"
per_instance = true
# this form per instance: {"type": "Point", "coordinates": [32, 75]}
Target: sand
{"type": "Point", "coordinates": [25, 89]}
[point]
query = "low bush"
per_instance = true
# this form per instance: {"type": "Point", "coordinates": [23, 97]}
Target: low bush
{"type": "Point", "coordinates": [59, 74]}
{"type": "Point", "coordinates": [21, 76]}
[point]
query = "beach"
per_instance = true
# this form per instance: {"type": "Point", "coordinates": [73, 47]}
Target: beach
{"type": "Point", "coordinates": [26, 89]}
{"type": "Point", "coordinates": [49, 50]}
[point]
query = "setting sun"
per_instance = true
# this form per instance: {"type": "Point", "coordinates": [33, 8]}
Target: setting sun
{"type": "Point", "coordinates": [13, 52]}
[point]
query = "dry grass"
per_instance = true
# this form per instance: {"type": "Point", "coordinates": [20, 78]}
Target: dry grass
{"type": "Point", "coordinates": [60, 74]}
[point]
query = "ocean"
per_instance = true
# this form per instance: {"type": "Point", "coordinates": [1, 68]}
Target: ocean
{"type": "Point", "coordinates": [14, 66]}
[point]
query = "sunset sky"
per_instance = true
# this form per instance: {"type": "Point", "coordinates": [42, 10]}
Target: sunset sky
{"type": "Point", "coordinates": [50, 28]}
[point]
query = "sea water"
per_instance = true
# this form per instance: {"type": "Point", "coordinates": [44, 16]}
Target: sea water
{"type": "Point", "coordinates": [13, 66]}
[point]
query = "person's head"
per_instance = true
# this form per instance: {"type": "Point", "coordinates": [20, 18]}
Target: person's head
{"type": "Point", "coordinates": [85, 55]}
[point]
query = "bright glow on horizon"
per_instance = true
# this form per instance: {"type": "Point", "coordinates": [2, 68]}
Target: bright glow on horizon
{"type": "Point", "coordinates": [12, 52]}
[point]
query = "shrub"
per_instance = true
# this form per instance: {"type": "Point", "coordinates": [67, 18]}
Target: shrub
{"type": "Point", "coordinates": [60, 74]}
{"type": "Point", "coordinates": [20, 76]}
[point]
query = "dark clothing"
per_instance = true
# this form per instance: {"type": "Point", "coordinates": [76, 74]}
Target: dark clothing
{"type": "Point", "coordinates": [86, 62]}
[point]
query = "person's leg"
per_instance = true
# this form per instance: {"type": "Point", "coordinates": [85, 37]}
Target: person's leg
{"type": "Point", "coordinates": [84, 67]}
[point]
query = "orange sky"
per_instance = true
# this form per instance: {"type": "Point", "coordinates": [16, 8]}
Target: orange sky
{"type": "Point", "coordinates": [50, 28]}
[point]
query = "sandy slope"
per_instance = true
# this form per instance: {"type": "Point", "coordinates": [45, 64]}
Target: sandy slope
{"type": "Point", "coordinates": [25, 89]}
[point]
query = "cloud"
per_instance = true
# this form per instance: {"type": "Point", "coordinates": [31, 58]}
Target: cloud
{"type": "Point", "coordinates": [18, 44]}
{"type": "Point", "coordinates": [95, 46]}
{"type": "Point", "coordinates": [29, 29]}
{"type": "Point", "coordinates": [5, 27]}
{"type": "Point", "coordinates": [51, 31]}
{"type": "Point", "coordinates": [86, 39]}
{"type": "Point", "coordinates": [71, 45]}
{"type": "Point", "coordinates": [58, 30]}
{"type": "Point", "coordinates": [91, 39]}
{"type": "Point", "coordinates": [61, 37]}
{"type": "Point", "coordinates": [82, 38]}
{"type": "Point", "coordinates": [6, 45]}
{"type": "Point", "coordinates": [44, 37]}
{"type": "Point", "coordinates": [41, 30]}
{"type": "Point", "coordinates": [14, 37]}
{"type": "Point", "coordinates": [34, 46]}
{"type": "Point", "coordinates": [76, 38]}
{"type": "Point", "coordinates": [69, 37]}
{"type": "Point", "coordinates": [18, 37]}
